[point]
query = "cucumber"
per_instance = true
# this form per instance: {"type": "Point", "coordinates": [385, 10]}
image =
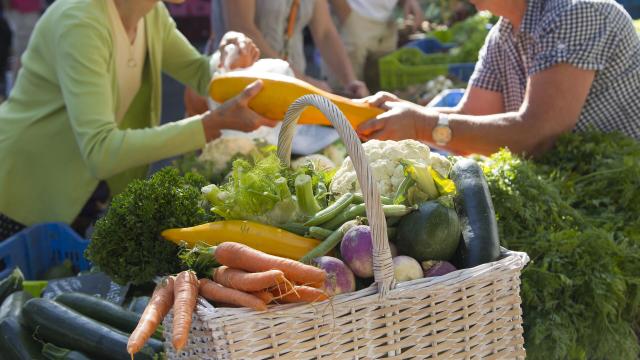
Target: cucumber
{"type": "Point", "coordinates": [103, 311]}
{"type": "Point", "coordinates": [480, 242]}
{"type": "Point", "coordinates": [12, 305]}
{"type": "Point", "coordinates": [52, 352]}
{"type": "Point", "coordinates": [16, 342]}
{"type": "Point", "coordinates": [60, 325]}
{"type": "Point", "coordinates": [431, 233]}
{"type": "Point", "coordinates": [11, 284]}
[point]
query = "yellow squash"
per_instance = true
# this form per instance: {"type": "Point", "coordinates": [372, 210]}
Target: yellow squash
{"type": "Point", "coordinates": [265, 238]}
{"type": "Point", "coordinates": [280, 91]}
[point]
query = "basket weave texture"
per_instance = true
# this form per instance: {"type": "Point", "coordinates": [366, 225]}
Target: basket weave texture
{"type": "Point", "coordinates": [468, 314]}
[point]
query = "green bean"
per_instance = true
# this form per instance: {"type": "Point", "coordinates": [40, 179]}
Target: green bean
{"type": "Point", "coordinates": [324, 247]}
{"type": "Point", "coordinates": [319, 233]}
{"type": "Point", "coordinates": [295, 228]}
{"type": "Point", "coordinates": [359, 198]}
{"type": "Point", "coordinates": [331, 211]}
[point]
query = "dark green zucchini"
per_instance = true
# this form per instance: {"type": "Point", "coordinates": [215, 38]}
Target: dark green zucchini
{"type": "Point", "coordinates": [138, 304]}
{"type": "Point", "coordinates": [60, 325]}
{"type": "Point", "coordinates": [431, 233]}
{"type": "Point", "coordinates": [480, 242]}
{"type": "Point", "coordinates": [104, 311]}
{"type": "Point", "coordinates": [12, 305]}
{"type": "Point", "coordinates": [16, 342]}
{"type": "Point", "coordinates": [11, 284]}
{"type": "Point", "coordinates": [52, 352]}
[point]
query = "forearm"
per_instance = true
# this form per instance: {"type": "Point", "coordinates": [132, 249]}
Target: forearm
{"type": "Point", "coordinates": [487, 134]}
{"type": "Point", "coordinates": [250, 30]}
{"type": "Point", "coordinates": [334, 53]}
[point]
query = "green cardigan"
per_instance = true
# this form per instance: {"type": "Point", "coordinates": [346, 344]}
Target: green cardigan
{"type": "Point", "coordinates": [58, 135]}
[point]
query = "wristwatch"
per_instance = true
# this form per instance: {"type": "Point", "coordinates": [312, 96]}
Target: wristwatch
{"type": "Point", "coordinates": [442, 132]}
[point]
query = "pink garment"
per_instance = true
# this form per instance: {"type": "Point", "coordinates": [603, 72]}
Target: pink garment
{"type": "Point", "coordinates": [26, 6]}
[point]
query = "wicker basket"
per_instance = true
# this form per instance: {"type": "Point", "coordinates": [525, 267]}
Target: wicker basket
{"type": "Point", "coordinates": [470, 313]}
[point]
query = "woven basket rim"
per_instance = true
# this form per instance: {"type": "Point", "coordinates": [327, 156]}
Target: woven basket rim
{"type": "Point", "coordinates": [508, 260]}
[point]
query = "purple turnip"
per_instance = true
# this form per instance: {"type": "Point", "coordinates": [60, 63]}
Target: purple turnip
{"type": "Point", "coordinates": [406, 268]}
{"type": "Point", "coordinates": [437, 268]}
{"type": "Point", "coordinates": [356, 249]}
{"type": "Point", "coordinates": [340, 278]}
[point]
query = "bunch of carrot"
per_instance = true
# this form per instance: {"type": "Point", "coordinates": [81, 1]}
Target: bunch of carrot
{"type": "Point", "coordinates": [247, 278]}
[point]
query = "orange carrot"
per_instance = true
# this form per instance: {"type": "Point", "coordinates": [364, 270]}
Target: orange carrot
{"type": "Point", "coordinates": [215, 292]}
{"type": "Point", "coordinates": [185, 293]}
{"type": "Point", "coordinates": [298, 294]}
{"type": "Point", "coordinates": [158, 307]}
{"type": "Point", "coordinates": [263, 295]}
{"type": "Point", "coordinates": [243, 257]}
{"type": "Point", "coordinates": [248, 282]}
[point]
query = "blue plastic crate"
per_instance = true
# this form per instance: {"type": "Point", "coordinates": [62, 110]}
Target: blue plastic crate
{"type": "Point", "coordinates": [447, 98]}
{"type": "Point", "coordinates": [430, 45]}
{"type": "Point", "coordinates": [37, 248]}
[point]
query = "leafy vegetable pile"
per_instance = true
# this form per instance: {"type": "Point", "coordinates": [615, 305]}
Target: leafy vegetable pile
{"type": "Point", "coordinates": [576, 212]}
{"type": "Point", "coordinates": [126, 242]}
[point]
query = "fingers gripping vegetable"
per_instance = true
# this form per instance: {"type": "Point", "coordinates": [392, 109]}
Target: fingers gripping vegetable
{"type": "Point", "coordinates": [239, 256]}
{"type": "Point", "coordinates": [213, 291]}
{"type": "Point", "coordinates": [159, 305]}
{"type": "Point", "coordinates": [245, 281]}
{"type": "Point", "coordinates": [185, 293]}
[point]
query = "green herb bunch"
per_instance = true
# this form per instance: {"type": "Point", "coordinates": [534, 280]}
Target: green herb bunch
{"type": "Point", "coordinates": [576, 213]}
{"type": "Point", "coordinates": [126, 243]}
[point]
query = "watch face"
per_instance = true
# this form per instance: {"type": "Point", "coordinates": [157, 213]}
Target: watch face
{"type": "Point", "coordinates": [441, 135]}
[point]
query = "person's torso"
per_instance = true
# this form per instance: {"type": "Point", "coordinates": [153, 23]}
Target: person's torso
{"type": "Point", "coordinates": [272, 17]}
{"type": "Point", "coordinates": [37, 139]}
{"type": "Point", "coordinates": [379, 10]}
{"type": "Point", "coordinates": [612, 103]}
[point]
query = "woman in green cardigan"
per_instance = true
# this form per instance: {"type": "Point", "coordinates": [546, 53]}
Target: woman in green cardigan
{"type": "Point", "coordinates": [83, 116]}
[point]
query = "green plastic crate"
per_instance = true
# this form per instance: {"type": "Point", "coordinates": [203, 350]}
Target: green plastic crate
{"type": "Point", "coordinates": [409, 66]}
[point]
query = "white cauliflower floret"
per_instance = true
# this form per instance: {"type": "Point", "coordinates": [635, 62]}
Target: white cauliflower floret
{"type": "Point", "coordinates": [440, 164]}
{"type": "Point", "coordinates": [220, 151]}
{"type": "Point", "coordinates": [384, 158]}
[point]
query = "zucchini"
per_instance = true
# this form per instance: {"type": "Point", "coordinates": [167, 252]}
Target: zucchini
{"type": "Point", "coordinates": [431, 233]}
{"type": "Point", "coordinates": [58, 324]}
{"type": "Point", "coordinates": [16, 342]}
{"type": "Point", "coordinates": [103, 311]}
{"type": "Point", "coordinates": [52, 352]}
{"type": "Point", "coordinates": [480, 242]}
{"type": "Point", "coordinates": [11, 284]}
{"type": "Point", "coordinates": [12, 305]}
{"type": "Point", "coordinates": [138, 304]}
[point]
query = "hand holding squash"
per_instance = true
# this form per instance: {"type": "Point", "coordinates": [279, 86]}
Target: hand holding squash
{"type": "Point", "coordinates": [235, 114]}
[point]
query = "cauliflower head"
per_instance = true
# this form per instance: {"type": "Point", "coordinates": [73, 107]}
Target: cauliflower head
{"type": "Point", "coordinates": [221, 151]}
{"type": "Point", "coordinates": [385, 160]}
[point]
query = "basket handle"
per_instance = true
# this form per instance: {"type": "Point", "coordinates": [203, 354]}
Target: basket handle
{"type": "Point", "coordinates": [382, 264]}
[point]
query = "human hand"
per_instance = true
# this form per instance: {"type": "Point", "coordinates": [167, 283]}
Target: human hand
{"type": "Point", "coordinates": [402, 120]}
{"type": "Point", "coordinates": [379, 99]}
{"type": "Point", "coordinates": [357, 89]}
{"type": "Point", "coordinates": [237, 51]}
{"type": "Point", "coordinates": [413, 11]}
{"type": "Point", "coordinates": [235, 114]}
